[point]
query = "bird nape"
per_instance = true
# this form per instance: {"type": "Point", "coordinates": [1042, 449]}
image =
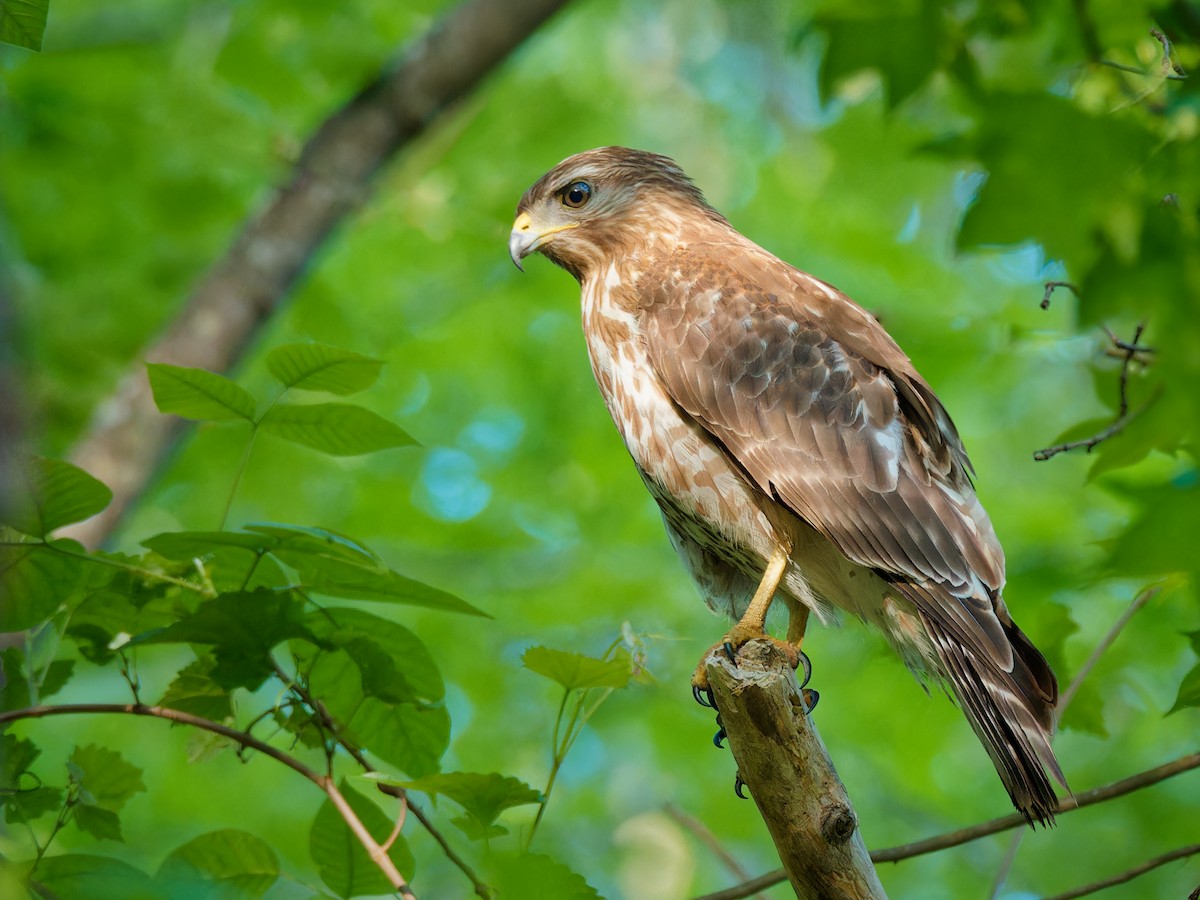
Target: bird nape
{"type": "Point", "coordinates": [794, 451]}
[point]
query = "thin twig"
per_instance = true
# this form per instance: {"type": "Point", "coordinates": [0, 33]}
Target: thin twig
{"type": "Point", "coordinates": [325, 783]}
{"type": "Point", "coordinates": [1170, 68]}
{"type": "Point", "coordinates": [1128, 874]}
{"type": "Point", "coordinates": [709, 840]}
{"type": "Point", "coordinates": [481, 889]}
{"type": "Point", "coordinates": [1129, 351]}
{"type": "Point", "coordinates": [1050, 288]}
{"type": "Point", "coordinates": [985, 829]}
{"type": "Point", "coordinates": [400, 817]}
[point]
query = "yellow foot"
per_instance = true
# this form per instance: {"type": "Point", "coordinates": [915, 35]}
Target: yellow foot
{"type": "Point", "coordinates": [729, 645]}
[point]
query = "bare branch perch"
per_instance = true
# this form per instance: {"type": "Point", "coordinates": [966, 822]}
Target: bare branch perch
{"type": "Point", "coordinates": [789, 773]}
{"type": "Point", "coordinates": [1050, 288]}
{"type": "Point", "coordinates": [128, 437]}
{"type": "Point", "coordinates": [1129, 874]}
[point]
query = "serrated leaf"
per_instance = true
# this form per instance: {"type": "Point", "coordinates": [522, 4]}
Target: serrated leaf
{"type": "Point", "coordinates": [28, 804]}
{"type": "Point", "coordinates": [319, 367]}
{"type": "Point", "coordinates": [341, 859]}
{"type": "Point", "coordinates": [343, 627]}
{"type": "Point", "coordinates": [1189, 691]}
{"type": "Point", "coordinates": [575, 671]}
{"type": "Point", "coordinates": [484, 797]}
{"type": "Point", "coordinates": [194, 691]}
{"type": "Point", "coordinates": [80, 876]}
{"type": "Point", "coordinates": [100, 823]}
{"type": "Point", "coordinates": [470, 827]}
{"type": "Point", "coordinates": [226, 864]}
{"type": "Point", "coordinates": [105, 775]}
{"type": "Point", "coordinates": [51, 493]}
{"type": "Point", "coordinates": [34, 582]}
{"type": "Point", "coordinates": [241, 627]}
{"type": "Point", "coordinates": [16, 756]}
{"type": "Point", "coordinates": [535, 876]}
{"type": "Point", "coordinates": [23, 22]}
{"type": "Point", "coordinates": [339, 429]}
{"type": "Point", "coordinates": [199, 394]}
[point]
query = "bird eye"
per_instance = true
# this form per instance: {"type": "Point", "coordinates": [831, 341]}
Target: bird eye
{"type": "Point", "coordinates": [575, 196]}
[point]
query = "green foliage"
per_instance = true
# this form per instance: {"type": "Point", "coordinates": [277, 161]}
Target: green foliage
{"type": "Point", "coordinates": [229, 864]}
{"type": "Point", "coordinates": [484, 797]}
{"type": "Point", "coordinates": [940, 162]}
{"type": "Point", "coordinates": [340, 858]}
{"type": "Point", "coordinates": [22, 22]}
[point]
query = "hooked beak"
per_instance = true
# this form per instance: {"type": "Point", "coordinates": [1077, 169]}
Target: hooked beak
{"type": "Point", "coordinates": [524, 238]}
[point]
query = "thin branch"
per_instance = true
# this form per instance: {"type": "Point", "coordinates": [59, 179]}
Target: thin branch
{"type": "Point", "coordinates": [985, 829]}
{"type": "Point", "coordinates": [400, 817]}
{"type": "Point", "coordinates": [1050, 288]}
{"type": "Point", "coordinates": [709, 840]}
{"type": "Point", "coordinates": [1129, 352]}
{"type": "Point", "coordinates": [325, 783]}
{"type": "Point", "coordinates": [1129, 874]}
{"type": "Point", "coordinates": [481, 889]}
{"type": "Point", "coordinates": [1064, 701]}
{"type": "Point", "coordinates": [1170, 68]}
{"type": "Point", "coordinates": [331, 180]}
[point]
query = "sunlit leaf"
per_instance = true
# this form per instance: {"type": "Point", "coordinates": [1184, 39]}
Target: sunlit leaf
{"type": "Point", "coordinates": [484, 797]}
{"type": "Point", "coordinates": [536, 876]}
{"type": "Point", "coordinates": [79, 876]}
{"type": "Point", "coordinates": [319, 367]}
{"type": "Point", "coordinates": [345, 627]}
{"type": "Point", "coordinates": [34, 581]}
{"type": "Point", "coordinates": [105, 776]}
{"type": "Point", "coordinates": [1189, 691]}
{"type": "Point", "coordinates": [341, 859]}
{"type": "Point", "coordinates": [574, 670]}
{"type": "Point", "coordinates": [339, 429]}
{"type": "Point", "coordinates": [231, 864]}
{"type": "Point", "coordinates": [52, 494]}
{"type": "Point", "coordinates": [23, 22]}
{"type": "Point", "coordinates": [199, 394]}
{"type": "Point", "coordinates": [194, 691]}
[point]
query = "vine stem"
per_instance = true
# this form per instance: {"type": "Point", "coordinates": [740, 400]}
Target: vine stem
{"type": "Point", "coordinates": [324, 782]}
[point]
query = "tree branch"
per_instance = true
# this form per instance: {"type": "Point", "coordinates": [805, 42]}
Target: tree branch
{"type": "Point", "coordinates": [1128, 351]}
{"type": "Point", "coordinates": [1128, 874]}
{"type": "Point", "coordinates": [243, 739]}
{"type": "Point", "coordinates": [789, 773]}
{"type": "Point", "coordinates": [984, 829]}
{"type": "Point", "coordinates": [128, 437]}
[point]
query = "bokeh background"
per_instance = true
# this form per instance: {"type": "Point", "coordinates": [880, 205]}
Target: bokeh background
{"type": "Point", "coordinates": [939, 162]}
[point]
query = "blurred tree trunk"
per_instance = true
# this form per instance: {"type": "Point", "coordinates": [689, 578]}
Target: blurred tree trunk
{"type": "Point", "coordinates": [128, 438]}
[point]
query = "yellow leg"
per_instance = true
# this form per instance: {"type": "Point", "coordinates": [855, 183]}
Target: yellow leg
{"type": "Point", "coordinates": [751, 624]}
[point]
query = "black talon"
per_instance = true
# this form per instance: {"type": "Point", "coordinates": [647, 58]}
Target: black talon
{"type": "Point", "coordinates": [719, 737]}
{"type": "Point", "coordinates": [811, 698]}
{"type": "Point", "coordinates": [738, 784]}
{"type": "Point", "coordinates": [806, 664]}
{"type": "Point", "coordinates": [704, 696]}
{"type": "Point", "coordinates": [730, 652]}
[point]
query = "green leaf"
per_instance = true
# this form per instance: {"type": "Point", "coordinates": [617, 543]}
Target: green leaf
{"type": "Point", "coordinates": [188, 545]}
{"type": "Point", "coordinates": [23, 22]}
{"type": "Point", "coordinates": [100, 823]}
{"type": "Point", "coordinates": [194, 691]}
{"type": "Point", "coordinates": [241, 627]}
{"type": "Point", "coordinates": [343, 627]}
{"type": "Point", "coordinates": [576, 671]}
{"type": "Point", "coordinates": [319, 367]}
{"type": "Point", "coordinates": [16, 756]}
{"type": "Point", "coordinates": [229, 864]}
{"type": "Point", "coordinates": [199, 394]}
{"type": "Point", "coordinates": [484, 797]}
{"type": "Point", "coordinates": [473, 831]}
{"type": "Point", "coordinates": [1189, 691]}
{"type": "Point", "coordinates": [339, 429]}
{"type": "Point", "coordinates": [341, 859]}
{"type": "Point", "coordinates": [29, 804]}
{"type": "Point", "coordinates": [51, 493]}
{"type": "Point", "coordinates": [79, 876]}
{"type": "Point", "coordinates": [535, 876]}
{"type": "Point", "coordinates": [34, 582]}
{"type": "Point", "coordinates": [105, 777]}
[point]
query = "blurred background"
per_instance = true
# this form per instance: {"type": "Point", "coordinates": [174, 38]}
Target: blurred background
{"type": "Point", "coordinates": [939, 162]}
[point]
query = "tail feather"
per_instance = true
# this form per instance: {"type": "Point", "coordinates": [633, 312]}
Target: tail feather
{"type": "Point", "coordinates": [1011, 712]}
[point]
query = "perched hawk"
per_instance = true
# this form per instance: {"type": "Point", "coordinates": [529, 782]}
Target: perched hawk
{"type": "Point", "coordinates": [793, 448]}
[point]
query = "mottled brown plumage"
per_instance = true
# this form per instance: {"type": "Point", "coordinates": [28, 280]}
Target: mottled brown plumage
{"type": "Point", "coordinates": [774, 419]}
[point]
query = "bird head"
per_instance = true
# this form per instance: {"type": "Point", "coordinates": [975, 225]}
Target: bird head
{"type": "Point", "coordinates": [594, 206]}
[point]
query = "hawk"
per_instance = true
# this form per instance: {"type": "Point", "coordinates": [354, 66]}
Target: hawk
{"type": "Point", "coordinates": [795, 452]}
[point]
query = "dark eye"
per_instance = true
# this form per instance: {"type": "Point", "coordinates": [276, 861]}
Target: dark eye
{"type": "Point", "coordinates": [576, 195]}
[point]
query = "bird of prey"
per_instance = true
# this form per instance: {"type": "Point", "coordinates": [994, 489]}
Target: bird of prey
{"type": "Point", "coordinates": [795, 452]}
